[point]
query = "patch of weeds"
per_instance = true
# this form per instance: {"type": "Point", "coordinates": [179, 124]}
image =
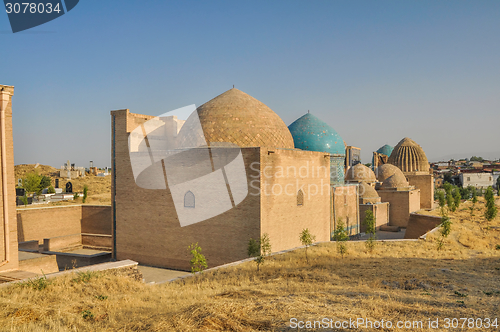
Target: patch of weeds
{"type": "Point", "coordinates": [87, 315]}
{"type": "Point", "coordinates": [457, 293]}
{"type": "Point", "coordinates": [491, 293]}
{"type": "Point", "coordinates": [461, 302]}
{"type": "Point", "coordinates": [39, 283]}
{"type": "Point", "coordinates": [497, 247]}
{"type": "Point", "coordinates": [102, 297]}
{"type": "Point", "coordinates": [427, 293]}
{"type": "Point", "coordinates": [85, 276]}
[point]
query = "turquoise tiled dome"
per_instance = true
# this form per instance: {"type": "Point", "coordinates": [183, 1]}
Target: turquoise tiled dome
{"type": "Point", "coordinates": [312, 134]}
{"type": "Point", "coordinates": [386, 149]}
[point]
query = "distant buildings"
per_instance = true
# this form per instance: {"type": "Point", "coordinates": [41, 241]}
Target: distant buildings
{"type": "Point", "coordinates": [479, 174]}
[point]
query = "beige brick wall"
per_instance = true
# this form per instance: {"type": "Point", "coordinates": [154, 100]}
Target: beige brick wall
{"type": "Point", "coordinates": [345, 203]}
{"type": "Point", "coordinates": [420, 224]}
{"type": "Point", "coordinates": [402, 203]}
{"type": "Point", "coordinates": [380, 212]}
{"type": "Point", "coordinates": [283, 174]}
{"type": "Point", "coordinates": [426, 185]}
{"type": "Point", "coordinates": [47, 222]}
{"type": "Point", "coordinates": [147, 227]}
{"type": "Point", "coordinates": [12, 225]}
{"type": "Point", "coordinates": [96, 219]}
{"type": "Point", "coordinates": [46, 264]}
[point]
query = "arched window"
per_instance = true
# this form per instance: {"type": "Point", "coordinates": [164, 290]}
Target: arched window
{"type": "Point", "coordinates": [300, 198]}
{"type": "Point", "coordinates": [189, 200]}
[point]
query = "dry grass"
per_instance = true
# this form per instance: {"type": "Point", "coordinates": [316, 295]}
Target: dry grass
{"type": "Point", "coordinates": [400, 281]}
{"type": "Point", "coordinates": [99, 191]}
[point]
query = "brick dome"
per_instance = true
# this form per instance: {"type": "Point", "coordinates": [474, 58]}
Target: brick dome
{"type": "Point", "coordinates": [409, 157]}
{"type": "Point", "coordinates": [368, 194]}
{"type": "Point", "coordinates": [385, 171]}
{"type": "Point", "coordinates": [238, 118]}
{"type": "Point", "coordinates": [397, 180]}
{"type": "Point", "coordinates": [360, 173]}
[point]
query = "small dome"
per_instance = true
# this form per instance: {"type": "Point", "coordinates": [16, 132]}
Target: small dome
{"type": "Point", "coordinates": [409, 157]}
{"type": "Point", "coordinates": [397, 180]}
{"type": "Point", "coordinates": [386, 149]}
{"type": "Point", "coordinates": [312, 134]}
{"type": "Point", "coordinates": [368, 194]}
{"type": "Point", "coordinates": [385, 171]}
{"type": "Point", "coordinates": [360, 173]}
{"type": "Point", "coordinates": [238, 118]}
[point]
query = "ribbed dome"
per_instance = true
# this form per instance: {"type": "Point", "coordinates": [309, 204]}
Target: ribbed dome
{"type": "Point", "coordinates": [368, 194]}
{"type": "Point", "coordinates": [360, 173]}
{"type": "Point", "coordinates": [397, 180]}
{"type": "Point", "coordinates": [312, 134]}
{"type": "Point", "coordinates": [238, 118]}
{"type": "Point", "coordinates": [409, 157]}
{"type": "Point", "coordinates": [385, 171]}
{"type": "Point", "coordinates": [386, 149]}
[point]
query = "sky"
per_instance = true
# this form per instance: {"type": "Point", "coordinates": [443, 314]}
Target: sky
{"type": "Point", "coordinates": [376, 71]}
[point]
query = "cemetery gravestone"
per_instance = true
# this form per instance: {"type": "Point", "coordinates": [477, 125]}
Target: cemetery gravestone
{"type": "Point", "coordinates": [69, 187]}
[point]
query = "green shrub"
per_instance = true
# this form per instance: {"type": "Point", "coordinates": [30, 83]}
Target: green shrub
{"type": "Point", "coordinates": [51, 190]}
{"type": "Point", "coordinates": [87, 315]}
{"type": "Point", "coordinates": [491, 208]}
{"type": "Point", "coordinates": [198, 261]}
{"type": "Point", "coordinates": [306, 238]}
{"type": "Point", "coordinates": [24, 199]}
{"type": "Point", "coordinates": [444, 230]}
{"type": "Point", "coordinates": [340, 235]}
{"type": "Point", "coordinates": [85, 192]}
{"type": "Point", "coordinates": [39, 283]}
{"type": "Point", "coordinates": [370, 223]}
{"type": "Point", "coordinates": [259, 249]}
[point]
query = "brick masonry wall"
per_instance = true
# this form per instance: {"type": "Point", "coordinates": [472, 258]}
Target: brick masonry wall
{"type": "Point", "coordinates": [147, 227]}
{"type": "Point", "coordinates": [96, 219]}
{"type": "Point", "coordinates": [402, 203]}
{"type": "Point", "coordinates": [283, 174]}
{"type": "Point", "coordinates": [426, 185]}
{"type": "Point", "coordinates": [380, 211]}
{"type": "Point", "coordinates": [13, 259]}
{"type": "Point", "coordinates": [46, 264]}
{"type": "Point", "coordinates": [345, 202]}
{"type": "Point", "coordinates": [40, 223]}
{"type": "Point", "coordinates": [420, 224]}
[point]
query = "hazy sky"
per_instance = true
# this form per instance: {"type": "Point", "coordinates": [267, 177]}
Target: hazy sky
{"type": "Point", "coordinates": [376, 71]}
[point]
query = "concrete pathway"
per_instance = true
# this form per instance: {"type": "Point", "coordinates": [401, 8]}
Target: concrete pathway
{"type": "Point", "coordinates": [156, 274]}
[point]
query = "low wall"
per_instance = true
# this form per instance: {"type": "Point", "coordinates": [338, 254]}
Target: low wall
{"type": "Point", "coordinates": [48, 222]}
{"type": "Point", "coordinates": [28, 246]}
{"type": "Point", "coordinates": [97, 240]}
{"type": "Point", "coordinates": [62, 242]}
{"type": "Point", "coordinates": [420, 224]}
{"type": "Point", "coordinates": [54, 221]}
{"type": "Point", "coordinates": [46, 264]}
{"type": "Point", "coordinates": [67, 260]}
